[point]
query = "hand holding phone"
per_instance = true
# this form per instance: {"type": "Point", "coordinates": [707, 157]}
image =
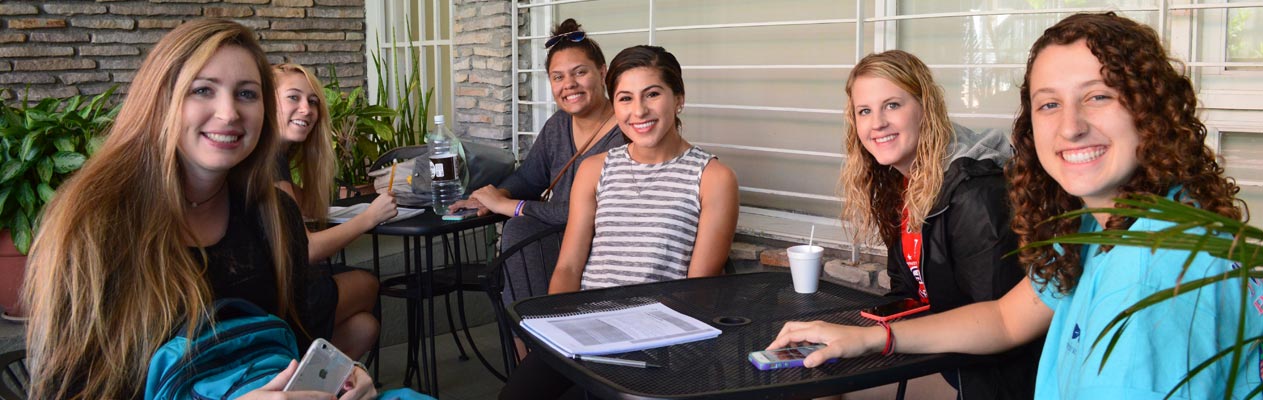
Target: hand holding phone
{"type": "Point", "coordinates": [895, 309]}
{"type": "Point", "coordinates": [783, 358]}
{"type": "Point", "coordinates": [322, 369]}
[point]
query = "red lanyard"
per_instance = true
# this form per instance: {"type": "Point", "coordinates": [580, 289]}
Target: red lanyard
{"type": "Point", "coordinates": [912, 253]}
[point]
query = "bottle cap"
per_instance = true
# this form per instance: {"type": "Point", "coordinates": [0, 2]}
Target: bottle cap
{"type": "Point", "coordinates": [438, 119]}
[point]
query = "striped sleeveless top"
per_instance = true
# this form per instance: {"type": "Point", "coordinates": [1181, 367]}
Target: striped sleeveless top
{"type": "Point", "coordinates": [646, 219]}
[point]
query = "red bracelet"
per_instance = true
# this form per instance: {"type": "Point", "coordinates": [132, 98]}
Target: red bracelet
{"type": "Point", "coordinates": [890, 339]}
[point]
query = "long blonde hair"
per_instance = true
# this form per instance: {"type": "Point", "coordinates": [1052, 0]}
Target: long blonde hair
{"type": "Point", "coordinates": [117, 229]}
{"type": "Point", "coordinates": [874, 193]}
{"type": "Point", "coordinates": [314, 157]}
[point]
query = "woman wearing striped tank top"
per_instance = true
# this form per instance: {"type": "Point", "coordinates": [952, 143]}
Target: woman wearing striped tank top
{"type": "Point", "coordinates": [656, 209]}
{"type": "Point", "coordinates": [653, 210]}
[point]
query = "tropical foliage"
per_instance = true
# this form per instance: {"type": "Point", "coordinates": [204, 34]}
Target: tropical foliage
{"type": "Point", "coordinates": [1218, 236]}
{"type": "Point", "coordinates": [402, 86]}
{"type": "Point", "coordinates": [40, 146]}
{"type": "Point", "coordinates": [361, 131]}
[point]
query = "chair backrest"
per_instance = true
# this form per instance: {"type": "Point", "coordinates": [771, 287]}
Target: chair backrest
{"type": "Point", "coordinates": [535, 256]}
{"type": "Point", "coordinates": [15, 379]}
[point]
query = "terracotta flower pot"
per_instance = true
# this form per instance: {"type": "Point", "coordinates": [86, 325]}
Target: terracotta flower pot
{"type": "Point", "coordinates": [12, 269]}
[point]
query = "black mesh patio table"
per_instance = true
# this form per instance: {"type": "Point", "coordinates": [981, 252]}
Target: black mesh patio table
{"type": "Point", "coordinates": [718, 368]}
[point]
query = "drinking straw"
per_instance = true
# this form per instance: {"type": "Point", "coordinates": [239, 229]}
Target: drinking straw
{"type": "Point", "coordinates": [811, 238]}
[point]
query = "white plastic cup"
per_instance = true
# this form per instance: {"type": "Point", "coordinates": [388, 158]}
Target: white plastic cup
{"type": "Point", "coordinates": [804, 265]}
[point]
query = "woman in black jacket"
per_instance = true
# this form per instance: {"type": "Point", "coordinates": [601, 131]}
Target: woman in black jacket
{"type": "Point", "coordinates": [936, 195]}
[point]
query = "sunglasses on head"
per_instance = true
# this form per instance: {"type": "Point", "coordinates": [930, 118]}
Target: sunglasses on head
{"type": "Point", "coordinates": [576, 36]}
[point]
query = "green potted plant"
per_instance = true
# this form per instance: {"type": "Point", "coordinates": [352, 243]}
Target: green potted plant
{"type": "Point", "coordinates": [412, 103]}
{"type": "Point", "coordinates": [40, 146]}
{"type": "Point", "coordinates": [1220, 237]}
{"type": "Point", "coordinates": [358, 129]}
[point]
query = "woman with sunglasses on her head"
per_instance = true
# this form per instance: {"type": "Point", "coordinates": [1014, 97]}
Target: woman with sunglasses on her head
{"type": "Point", "coordinates": [176, 210]}
{"type": "Point", "coordinates": [306, 147]}
{"type": "Point", "coordinates": [656, 209]}
{"type": "Point", "coordinates": [584, 126]}
{"type": "Point", "coordinates": [935, 194]}
{"type": "Point", "coordinates": [1091, 130]}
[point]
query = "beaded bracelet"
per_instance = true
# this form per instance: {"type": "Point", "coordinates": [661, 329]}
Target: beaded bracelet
{"type": "Point", "coordinates": [890, 339]}
{"type": "Point", "coordinates": [517, 211]}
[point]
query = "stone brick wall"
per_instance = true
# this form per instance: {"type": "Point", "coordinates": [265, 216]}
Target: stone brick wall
{"type": "Point", "coordinates": [481, 41]}
{"type": "Point", "coordinates": [62, 48]}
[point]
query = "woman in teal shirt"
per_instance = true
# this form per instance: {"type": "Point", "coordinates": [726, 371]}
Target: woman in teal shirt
{"type": "Point", "coordinates": [1104, 115]}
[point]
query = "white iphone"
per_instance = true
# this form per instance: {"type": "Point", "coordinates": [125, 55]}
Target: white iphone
{"type": "Point", "coordinates": [322, 369]}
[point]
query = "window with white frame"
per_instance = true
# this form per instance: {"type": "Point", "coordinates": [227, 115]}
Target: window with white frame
{"type": "Point", "coordinates": [765, 78]}
{"type": "Point", "coordinates": [406, 35]}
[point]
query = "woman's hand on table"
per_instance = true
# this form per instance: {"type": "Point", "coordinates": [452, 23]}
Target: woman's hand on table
{"type": "Point", "coordinates": [842, 341]}
{"type": "Point", "coordinates": [382, 209]}
{"type": "Point", "coordinates": [470, 203]}
{"type": "Point", "coordinates": [495, 200]}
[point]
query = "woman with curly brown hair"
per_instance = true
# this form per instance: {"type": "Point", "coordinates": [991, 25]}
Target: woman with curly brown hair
{"type": "Point", "coordinates": [936, 195]}
{"type": "Point", "coordinates": [1104, 114]}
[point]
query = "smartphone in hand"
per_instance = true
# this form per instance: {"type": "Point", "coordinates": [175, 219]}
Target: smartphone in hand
{"type": "Point", "coordinates": [895, 309]}
{"type": "Point", "coordinates": [323, 369]}
{"type": "Point", "coordinates": [783, 358]}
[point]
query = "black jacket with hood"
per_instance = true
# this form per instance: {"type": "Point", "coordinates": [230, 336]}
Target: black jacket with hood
{"type": "Point", "coordinates": [966, 238]}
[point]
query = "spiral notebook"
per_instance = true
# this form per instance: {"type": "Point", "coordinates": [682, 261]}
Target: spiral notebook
{"type": "Point", "coordinates": [618, 330]}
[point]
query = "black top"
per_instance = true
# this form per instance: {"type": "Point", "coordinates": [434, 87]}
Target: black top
{"type": "Point", "coordinates": [719, 368]}
{"type": "Point", "coordinates": [964, 260]}
{"type": "Point", "coordinates": [240, 265]}
{"type": "Point", "coordinates": [282, 168]}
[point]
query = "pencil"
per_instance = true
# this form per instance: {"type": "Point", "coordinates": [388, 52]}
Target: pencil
{"type": "Point", "coordinates": [390, 187]}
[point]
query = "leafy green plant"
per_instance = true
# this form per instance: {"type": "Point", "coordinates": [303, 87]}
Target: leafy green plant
{"type": "Point", "coordinates": [411, 102]}
{"type": "Point", "coordinates": [1221, 237]}
{"type": "Point", "coordinates": [40, 146]}
{"type": "Point", "coordinates": [359, 129]}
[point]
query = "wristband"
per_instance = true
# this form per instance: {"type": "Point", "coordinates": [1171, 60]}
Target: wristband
{"type": "Point", "coordinates": [890, 339]}
{"type": "Point", "coordinates": [517, 211]}
{"type": "Point", "coordinates": [361, 366]}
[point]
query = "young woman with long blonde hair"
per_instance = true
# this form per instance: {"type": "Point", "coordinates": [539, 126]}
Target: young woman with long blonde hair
{"type": "Point", "coordinates": [307, 147]}
{"type": "Point", "coordinates": [936, 196]}
{"type": "Point", "coordinates": [177, 209]}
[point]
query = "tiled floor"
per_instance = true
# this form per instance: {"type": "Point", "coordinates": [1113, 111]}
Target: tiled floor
{"type": "Point", "coordinates": [458, 380]}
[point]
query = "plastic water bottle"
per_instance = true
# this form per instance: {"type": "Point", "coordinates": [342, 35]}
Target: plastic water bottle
{"type": "Point", "coordinates": [447, 166]}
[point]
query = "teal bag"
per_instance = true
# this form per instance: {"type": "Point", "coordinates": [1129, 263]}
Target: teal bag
{"type": "Point", "coordinates": [246, 348]}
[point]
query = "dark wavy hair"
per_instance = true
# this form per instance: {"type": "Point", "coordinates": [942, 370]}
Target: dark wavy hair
{"type": "Point", "coordinates": [1172, 149]}
{"type": "Point", "coordinates": [588, 46]}
{"type": "Point", "coordinates": [653, 57]}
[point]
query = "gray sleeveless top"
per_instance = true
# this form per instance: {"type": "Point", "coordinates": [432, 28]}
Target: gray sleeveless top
{"type": "Point", "coordinates": [646, 219]}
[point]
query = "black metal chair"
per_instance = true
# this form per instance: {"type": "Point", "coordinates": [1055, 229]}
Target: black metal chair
{"type": "Point", "coordinates": [496, 283]}
{"type": "Point", "coordinates": [14, 378]}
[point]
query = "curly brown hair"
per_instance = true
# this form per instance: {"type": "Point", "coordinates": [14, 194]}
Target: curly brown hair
{"type": "Point", "coordinates": [1172, 149]}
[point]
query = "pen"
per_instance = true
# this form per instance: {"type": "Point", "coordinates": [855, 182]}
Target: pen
{"type": "Point", "coordinates": [616, 361]}
{"type": "Point", "coordinates": [390, 187]}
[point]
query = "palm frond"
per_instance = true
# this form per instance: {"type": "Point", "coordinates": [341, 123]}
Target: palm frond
{"type": "Point", "coordinates": [1193, 230]}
